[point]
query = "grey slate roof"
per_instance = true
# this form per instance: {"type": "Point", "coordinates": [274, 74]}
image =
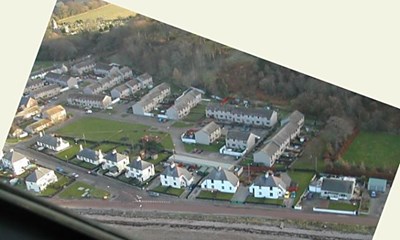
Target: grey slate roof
{"type": "Point", "coordinates": [210, 128]}
{"type": "Point", "coordinates": [377, 181]}
{"type": "Point", "coordinates": [139, 164]}
{"type": "Point", "coordinates": [114, 156]}
{"type": "Point", "coordinates": [259, 112]}
{"type": "Point", "coordinates": [223, 175]}
{"type": "Point", "coordinates": [121, 88]}
{"type": "Point", "coordinates": [144, 77]}
{"type": "Point", "coordinates": [37, 174]}
{"type": "Point", "coordinates": [49, 140]}
{"type": "Point", "coordinates": [238, 135]}
{"type": "Point", "coordinates": [153, 93]}
{"type": "Point", "coordinates": [84, 63]}
{"type": "Point", "coordinates": [296, 116]}
{"type": "Point", "coordinates": [103, 66]}
{"type": "Point", "coordinates": [24, 101]}
{"type": "Point", "coordinates": [132, 83]}
{"type": "Point", "coordinates": [274, 143]}
{"type": "Point", "coordinates": [53, 75]}
{"type": "Point", "coordinates": [269, 181]}
{"type": "Point", "coordinates": [13, 156]}
{"type": "Point", "coordinates": [89, 153]}
{"type": "Point", "coordinates": [337, 185]}
{"type": "Point", "coordinates": [173, 170]}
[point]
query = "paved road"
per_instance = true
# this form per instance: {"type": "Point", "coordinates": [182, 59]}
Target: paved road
{"type": "Point", "coordinates": [205, 207]}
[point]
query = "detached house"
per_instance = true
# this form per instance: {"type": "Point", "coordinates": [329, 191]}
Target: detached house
{"type": "Point", "coordinates": [338, 188]}
{"type": "Point", "coordinates": [247, 116]}
{"type": "Point", "coordinates": [115, 161]}
{"type": "Point", "coordinates": [55, 114]}
{"type": "Point", "coordinates": [139, 169]}
{"type": "Point", "coordinates": [146, 80]}
{"type": "Point", "coordinates": [40, 179]}
{"type": "Point", "coordinates": [91, 101]}
{"type": "Point", "coordinates": [175, 176]}
{"type": "Point", "coordinates": [61, 79]}
{"type": "Point", "coordinates": [269, 186]}
{"type": "Point", "coordinates": [15, 161]}
{"type": "Point", "coordinates": [53, 143]}
{"type": "Point", "coordinates": [151, 99]}
{"type": "Point", "coordinates": [208, 134]}
{"type": "Point", "coordinates": [184, 104]}
{"type": "Point", "coordinates": [90, 156]}
{"type": "Point", "coordinates": [240, 140]}
{"type": "Point", "coordinates": [221, 180]}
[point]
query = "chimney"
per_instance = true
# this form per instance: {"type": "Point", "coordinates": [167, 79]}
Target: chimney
{"type": "Point", "coordinates": [268, 173]}
{"type": "Point", "coordinates": [114, 151]}
{"type": "Point", "coordinates": [172, 164]}
{"type": "Point", "coordinates": [41, 134]}
{"type": "Point", "coordinates": [219, 168]}
{"type": "Point", "coordinates": [11, 150]}
{"type": "Point", "coordinates": [138, 159]}
{"type": "Point", "coordinates": [80, 147]}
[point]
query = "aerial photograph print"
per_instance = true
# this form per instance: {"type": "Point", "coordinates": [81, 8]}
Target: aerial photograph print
{"type": "Point", "coordinates": [152, 132]}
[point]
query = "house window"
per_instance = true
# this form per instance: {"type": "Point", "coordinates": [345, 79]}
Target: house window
{"type": "Point", "coordinates": [212, 180]}
{"type": "Point", "coordinates": [271, 194]}
{"type": "Point", "coordinates": [212, 186]}
{"type": "Point", "coordinates": [223, 187]}
{"type": "Point", "coordinates": [166, 182]}
{"type": "Point", "coordinates": [270, 188]}
{"type": "Point", "coordinates": [174, 183]}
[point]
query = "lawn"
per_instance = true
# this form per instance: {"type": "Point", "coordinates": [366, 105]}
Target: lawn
{"type": "Point", "coordinates": [247, 161]}
{"type": "Point", "coordinates": [82, 164]}
{"type": "Point", "coordinates": [161, 157]}
{"type": "Point", "coordinates": [196, 114]}
{"type": "Point", "coordinates": [106, 147]}
{"type": "Point", "coordinates": [169, 190]}
{"type": "Point", "coordinates": [303, 179]}
{"type": "Point", "coordinates": [214, 147]}
{"type": "Point", "coordinates": [375, 150]}
{"type": "Point", "coordinates": [342, 206]}
{"type": "Point", "coordinates": [73, 191]}
{"type": "Point", "coordinates": [251, 199]}
{"type": "Point", "coordinates": [180, 124]}
{"type": "Point", "coordinates": [96, 129]}
{"type": "Point", "coordinates": [107, 12]}
{"type": "Point", "coordinates": [53, 188]}
{"type": "Point", "coordinates": [313, 150]}
{"type": "Point", "coordinates": [215, 195]}
{"type": "Point", "coordinates": [70, 152]}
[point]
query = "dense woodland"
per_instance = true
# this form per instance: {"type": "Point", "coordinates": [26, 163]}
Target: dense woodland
{"type": "Point", "coordinates": [172, 55]}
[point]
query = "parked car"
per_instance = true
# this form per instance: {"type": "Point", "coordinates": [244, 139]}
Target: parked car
{"type": "Point", "coordinates": [293, 195]}
{"type": "Point", "coordinates": [94, 173]}
{"type": "Point", "coordinates": [154, 194]}
{"type": "Point", "coordinates": [373, 194]}
{"type": "Point", "coordinates": [59, 169]}
{"type": "Point", "coordinates": [287, 195]}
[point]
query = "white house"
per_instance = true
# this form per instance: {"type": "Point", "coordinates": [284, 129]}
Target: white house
{"type": "Point", "coordinates": [151, 99]}
{"type": "Point", "coordinates": [50, 142]}
{"type": "Point", "coordinates": [40, 179]}
{"type": "Point", "coordinates": [15, 161]}
{"type": "Point", "coordinates": [175, 176]}
{"type": "Point", "coordinates": [90, 156]}
{"type": "Point", "coordinates": [139, 169]}
{"type": "Point", "coordinates": [115, 159]}
{"type": "Point", "coordinates": [221, 180]}
{"type": "Point", "coordinates": [268, 186]}
{"type": "Point", "coordinates": [184, 104]}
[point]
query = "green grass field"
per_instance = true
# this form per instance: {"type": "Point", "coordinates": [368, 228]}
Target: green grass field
{"type": "Point", "coordinates": [82, 164]}
{"type": "Point", "coordinates": [71, 151]}
{"type": "Point", "coordinates": [55, 187]}
{"type": "Point", "coordinates": [169, 190]}
{"type": "Point", "coordinates": [96, 129]}
{"type": "Point", "coordinates": [105, 147]}
{"type": "Point", "coordinates": [251, 199]}
{"type": "Point", "coordinates": [181, 124]}
{"type": "Point", "coordinates": [303, 179]}
{"type": "Point", "coordinates": [214, 147]}
{"type": "Point", "coordinates": [375, 150]}
{"type": "Point", "coordinates": [107, 12]}
{"type": "Point", "coordinates": [73, 192]}
{"type": "Point", "coordinates": [342, 206]}
{"type": "Point", "coordinates": [196, 114]}
{"type": "Point", "coordinates": [161, 157]}
{"type": "Point", "coordinates": [215, 195]}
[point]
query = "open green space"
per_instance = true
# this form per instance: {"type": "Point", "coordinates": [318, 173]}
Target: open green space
{"type": "Point", "coordinates": [252, 199]}
{"type": "Point", "coordinates": [106, 147]}
{"type": "Point", "coordinates": [73, 191]}
{"type": "Point", "coordinates": [344, 206]}
{"type": "Point", "coordinates": [215, 195]}
{"type": "Point", "coordinates": [169, 190]}
{"type": "Point", "coordinates": [303, 180]}
{"type": "Point", "coordinates": [107, 12]}
{"type": "Point", "coordinates": [213, 147]}
{"type": "Point", "coordinates": [196, 114]}
{"type": "Point", "coordinates": [375, 149]}
{"type": "Point", "coordinates": [96, 129]}
{"type": "Point", "coordinates": [38, 65]}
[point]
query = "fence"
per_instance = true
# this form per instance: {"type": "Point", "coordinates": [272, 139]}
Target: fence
{"type": "Point", "coordinates": [323, 210]}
